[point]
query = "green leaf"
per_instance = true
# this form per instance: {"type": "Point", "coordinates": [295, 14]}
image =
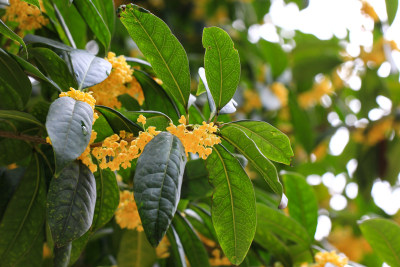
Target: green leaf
{"type": "Point", "coordinates": [31, 69]}
{"type": "Point", "coordinates": [206, 218]}
{"type": "Point", "coordinates": [195, 180]}
{"type": "Point", "coordinates": [233, 207]}
{"type": "Point", "coordinates": [94, 20]}
{"type": "Point", "coordinates": [117, 121]}
{"type": "Point", "coordinates": [271, 243]}
{"type": "Point", "coordinates": [157, 184]}
{"type": "Point", "coordinates": [246, 146]}
{"type": "Point", "coordinates": [303, 204]}
{"type": "Point", "coordinates": [15, 87]}
{"type": "Point", "coordinates": [62, 255]}
{"type": "Point", "coordinates": [391, 9]}
{"type": "Point", "coordinates": [78, 245]}
{"type": "Point", "coordinates": [9, 180]}
{"type": "Point", "coordinates": [43, 41]}
{"type": "Point", "coordinates": [153, 118]}
{"type": "Point", "coordinates": [54, 66]}
{"type": "Point", "coordinates": [107, 197]}
{"type": "Point", "coordinates": [33, 2]}
{"type": "Point", "coordinates": [24, 217]}
{"type": "Point", "coordinates": [275, 56]}
{"type": "Point", "coordinates": [384, 237]}
{"type": "Point", "coordinates": [12, 35]}
{"type": "Point", "coordinates": [107, 11]}
{"type": "Point", "coordinates": [222, 65]}
{"type": "Point", "coordinates": [20, 116]}
{"type": "Point", "coordinates": [89, 70]}
{"type": "Point", "coordinates": [102, 128]}
{"type": "Point", "coordinates": [193, 247]}
{"type": "Point", "coordinates": [69, 125]}
{"type": "Point", "coordinates": [176, 249]}
{"type": "Point", "coordinates": [70, 203]}
{"type": "Point", "coordinates": [155, 96]}
{"type": "Point", "coordinates": [161, 49]}
{"type": "Point", "coordinates": [281, 225]}
{"type": "Point", "coordinates": [135, 250]}
{"type": "Point", "coordinates": [271, 142]}
{"type": "Point", "coordinates": [34, 256]}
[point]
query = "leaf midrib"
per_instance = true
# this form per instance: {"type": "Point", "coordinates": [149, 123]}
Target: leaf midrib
{"type": "Point", "coordinates": [220, 70]}
{"type": "Point", "coordinates": [158, 51]}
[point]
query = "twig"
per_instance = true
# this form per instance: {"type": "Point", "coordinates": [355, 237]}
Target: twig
{"type": "Point", "coordinates": [30, 138]}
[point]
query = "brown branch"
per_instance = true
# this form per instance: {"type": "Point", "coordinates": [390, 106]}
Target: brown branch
{"type": "Point", "coordinates": [30, 138]}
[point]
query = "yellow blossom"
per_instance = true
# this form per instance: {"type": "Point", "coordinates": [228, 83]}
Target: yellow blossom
{"type": "Point", "coordinates": [368, 10]}
{"type": "Point", "coordinates": [322, 258]}
{"type": "Point", "coordinates": [199, 139]}
{"type": "Point", "coordinates": [12, 166]}
{"type": "Point", "coordinates": [218, 259]}
{"type": "Point", "coordinates": [142, 119]}
{"type": "Point", "coordinates": [313, 96]}
{"type": "Point", "coordinates": [26, 15]}
{"type": "Point", "coordinates": [46, 251]}
{"type": "Point", "coordinates": [281, 92]}
{"type": "Point", "coordinates": [162, 250]}
{"type": "Point", "coordinates": [119, 82]}
{"type": "Point", "coordinates": [251, 101]}
{"type": "Point", "coordinates": [82, 96]}
{"type": "Point", "coordinates": [85, 157]}
{"type": "Point", "coordinates": [127, 215]}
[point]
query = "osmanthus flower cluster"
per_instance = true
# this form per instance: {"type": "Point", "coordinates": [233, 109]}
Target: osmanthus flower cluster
{"type": "Point", "coordinates": [28, 16]}
{"type": "Point", "coordinates": [322, 258]}
{"type": "Point", "coordinates": [313, 96]}
{"type": "Point", "coordinates": [119, 82]}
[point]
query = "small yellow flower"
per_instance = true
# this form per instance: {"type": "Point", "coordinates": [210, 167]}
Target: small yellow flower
{"type": "Point", "coordinates": [127, 215]}
{"type": "Point", "coordinates": [281, 92]}
{"type": "Point", "coordinates": [26, 15]}
{"type": "Point", "coordinates": [82, 96]}
{"type": "Point", "coordinates": [141, 119]}
{"type": "Point", "coordinates": [322, 258]}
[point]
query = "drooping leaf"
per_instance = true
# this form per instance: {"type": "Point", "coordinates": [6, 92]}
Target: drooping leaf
{"type": "Point", "coordinates": [233, 208]}
{"type": "Point", "coordinates": [12, 35]}
{"type": "Point", "coordinates": [62, 255]}
{"type": "Point", "coordinates": [195, 180]}
{"type": "Point", "coordinates": [135, 250]}
{"type": "Point", "coordinates": [89, 70]}
{"type": "Point", "coordinates": [384, 237]}
{"type": "Point", "coordinates": [20, 116]}
{"type": "Point", "coordinates": [155, 96]}
{"type": "Point", "coordinates": [193, 247]}
{"type": "Point", "coordinates": [70, 203]}
{"type": "Point", "coordinates": [271, 142]}
{"type": "Point", "coordinates": [157, 184]}
{"type": "Point", "coordinates": [222, 65]}
{"type": "Point", "coordinates": [303, 205]}
{"type": "Point", "coordinates": [107, 11]}
{"type": "Point", "coordinates": [94, 20]}
{"type": "Point", "coordinates": [55, 67]}
{"type": "Point", "coordinates": [117, 121]}
{"type": "Point", "coordinates": [161, 48]}
{"type": "Point", "coordinates": [69, 124]}
{"type": "Point", "coordinates": [107, 197]}
{"type": "Point", "coordinates": [281, 225]}
{"type": "Point", "coordinates": [246, 146]}
{"type": "Point", "coordinates": [391, 9]}
{"type": "Point", "coordinates": [24, 217]}
{"type": "Point", "coordinates": [176, 249]}
{"type": "Point", "coordinates": [32, 70]}
{"type": "Point", "coordinates": [153, 118]}
{"type": "Point", "coordinates": [15, 87]}
{"type": "Point", "coordinates": [271, 243]}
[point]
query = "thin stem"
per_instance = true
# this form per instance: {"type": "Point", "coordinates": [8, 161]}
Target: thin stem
{"type": "Point", "coordinates": [30, 138]}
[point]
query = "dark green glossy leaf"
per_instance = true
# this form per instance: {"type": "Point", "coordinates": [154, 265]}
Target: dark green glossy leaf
{"type": "Point", "coordinates": [155, 96]}
{"type": "Point", "coordinates": [24, 217]}
{"type": "Point", "coordinates": [157, 184]}
{"type": "Point", "coordinates": [62, 255]}
{"type": "Point", "coordinates": [36, 39]}
{"type": "Point", "coordinates": [20, 116]}
{"type": "Point", "coordinates": [128, 102]}
{"type": "Point", "coordinates": [233, 208]}
{"type": "Point", "coordinates": [32, 70]}
{"type": "Point", "coordinates": [107, 197]}
{"type": "Point", "coordinates": [176, 249]}
{"type": "Point", "coordinates": [135, 250]}
{"type": "Point", "coordinates": [276, 222]}
{"type": "Point", "coordinates": [54, 66]}
{"type": "Point", "coordinates": [89, 70]}
{"type": "Point", "coordinates": [69, 124]}
{"type": "Point", "coordinates": [9, 180]}
{"type": "Point", "coordinates": [33, 2]}
{"type": "Point", "coordinates": [161, 48]}
{"type": "Point", "coordinates": [271, 142]}
{"type": "Point", "coordinates": [78, 245]}
{"type": "Point", "coordinates": [107, 11]}
{"type": "Point", "coordinates": [272, 244]}
{"type": "Point", "coordinates": [117, 121]}
{"type": "Point", "coordinates": [206, 219]}
{"type": "Point", "coordinates": [384, 237]}
{"type": "Point", "coordinates": [246, 146]}
{"type": "Point", "coordinates": [102, 128]}
{"type": "Point", "coordinates": [34, 256]}
{"type": "Point", "coordinates": [94, 20]}
{"type": "Point", "coordinates": [391, 9]}
{"type": "Point", "coordinates": [153, 118]}
{"type": "Point", "coordinates": [222, 65]}
{"type": "Point", "coordinates": [195, 180]}
{"type": "Point", "coordinates": [70, 203]}
{"type": "Point", "coordinates": [15, 87]}
{"type": "Point", "coordinates": [193, 247]}
{"type": "Point", "coordinates": [303, 205]}
{"type": "Point", "coordinates": [12, 35]}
